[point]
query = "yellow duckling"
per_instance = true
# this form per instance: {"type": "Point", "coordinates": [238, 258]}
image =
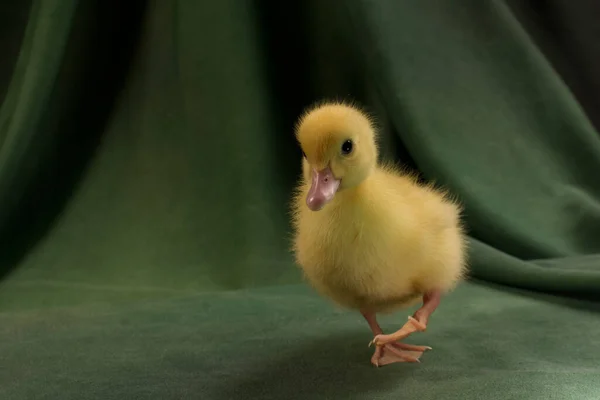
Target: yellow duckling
{"type": "Point", "coordinates": [368, 236]}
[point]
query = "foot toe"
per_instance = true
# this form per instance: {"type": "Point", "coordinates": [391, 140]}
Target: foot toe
{"type": "Point", "coordinates": [410, 347]}
{"type": "Point", "coordinates": [375, 340]}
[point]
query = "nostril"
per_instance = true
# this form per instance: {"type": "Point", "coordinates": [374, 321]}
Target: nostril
{"type": "Point", "coordinates": [325, 180]}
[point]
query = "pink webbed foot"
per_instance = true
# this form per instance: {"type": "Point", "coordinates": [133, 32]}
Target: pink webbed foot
{"type": "Point", "coordinates": [388, 348]}
{"type": "Point", "coordinates": [409, 327]}
{"type": "Point", "coordinates": [394, 352]}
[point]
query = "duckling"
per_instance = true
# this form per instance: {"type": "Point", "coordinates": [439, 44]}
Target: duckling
{"type": "Point", "coordinates": [368, 235]}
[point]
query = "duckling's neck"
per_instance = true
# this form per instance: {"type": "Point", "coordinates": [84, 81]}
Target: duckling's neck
{"type": "Point", "coordinates": [355, 196]}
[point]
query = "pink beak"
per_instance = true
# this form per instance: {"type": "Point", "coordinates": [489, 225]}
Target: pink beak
{"type": "Point", "coordinates": [322, 189]}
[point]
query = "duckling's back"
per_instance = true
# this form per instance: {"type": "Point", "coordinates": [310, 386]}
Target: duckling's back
{"type": "Point", "coordinates": [381, 245]}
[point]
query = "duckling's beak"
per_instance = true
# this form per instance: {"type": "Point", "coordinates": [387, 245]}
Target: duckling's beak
{"type": "Point", "coordinates": [322, 189]}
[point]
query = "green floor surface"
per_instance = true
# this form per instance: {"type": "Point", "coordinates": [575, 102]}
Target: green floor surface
{"type": "Point", "coordinates": [286, 343]}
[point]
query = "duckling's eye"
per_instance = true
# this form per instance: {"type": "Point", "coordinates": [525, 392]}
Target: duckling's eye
{"type": "Point", "coordinates": [304, 154]}
{"type": "Point", "coordinates": [347, 147]}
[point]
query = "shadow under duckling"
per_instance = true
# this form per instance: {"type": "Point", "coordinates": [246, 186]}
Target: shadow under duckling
{"type": "Point", "coordinates": [368, 236]}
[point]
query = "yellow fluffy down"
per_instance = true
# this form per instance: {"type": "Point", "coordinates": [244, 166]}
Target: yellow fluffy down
{"type": "Point", "coordinates": [384, 240]}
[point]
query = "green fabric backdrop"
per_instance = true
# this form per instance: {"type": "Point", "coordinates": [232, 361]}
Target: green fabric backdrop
{"type": "Point", "coordinates": [147, 160]}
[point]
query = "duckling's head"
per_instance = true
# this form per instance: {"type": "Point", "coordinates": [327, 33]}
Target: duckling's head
{"type": "Point", "coordinates": [339, 148]}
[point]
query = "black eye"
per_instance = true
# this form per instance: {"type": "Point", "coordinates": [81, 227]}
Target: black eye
{"type": "Point", "coordinates": [347, 147]}
{"type": "Point", "coordinates": [304, 154]}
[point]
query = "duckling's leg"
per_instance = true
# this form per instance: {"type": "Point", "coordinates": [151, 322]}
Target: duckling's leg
{"type": "Point", "coordinates": [431, 301]}
{"type": "Point", "coordinates": [416, 323]}
{"type": "Point", "coordinates": [391, 352]}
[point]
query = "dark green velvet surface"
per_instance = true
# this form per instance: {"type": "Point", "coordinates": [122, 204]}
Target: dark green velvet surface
{"type": "Point", "coordinates": [286, 343]}
{"type": "Point", "coordinates": [147, 160]}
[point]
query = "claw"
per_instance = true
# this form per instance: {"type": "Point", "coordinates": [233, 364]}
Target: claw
{"type": "Point", "coordinates": [373, 341]}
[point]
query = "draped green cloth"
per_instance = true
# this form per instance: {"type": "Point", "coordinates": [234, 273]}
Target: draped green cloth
{"type": "Point", "coordinates": [147, 160]}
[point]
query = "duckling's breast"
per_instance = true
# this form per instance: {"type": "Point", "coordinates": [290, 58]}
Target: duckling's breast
{"type": "Point", "coordinates": [351, 262]}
